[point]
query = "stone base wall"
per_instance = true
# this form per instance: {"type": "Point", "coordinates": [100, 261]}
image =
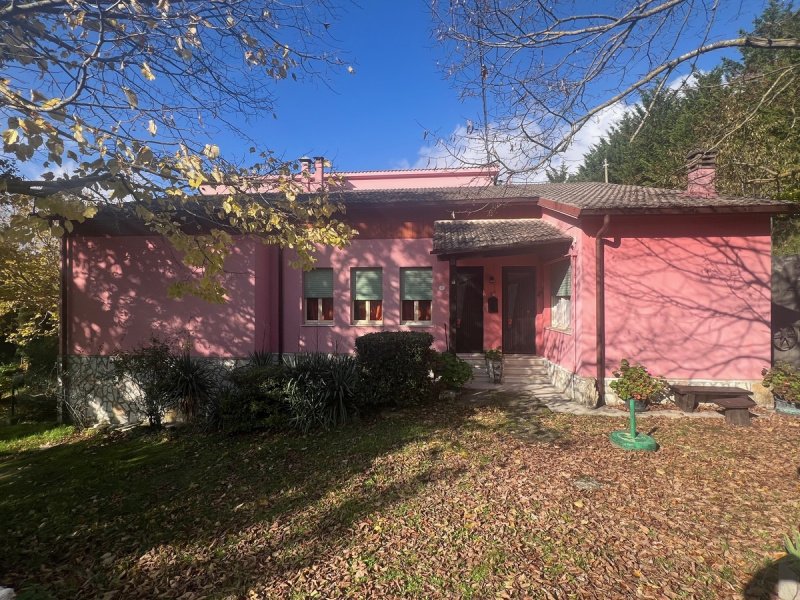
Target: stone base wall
{"type": "Point", "coordinates": [580, 389]}
{"type": "Point", "coordinates": [584, 389]}
{"type": "Point", "coordinates": [761, 395]}
{"type": "Point", "coordinates": [96, 396]}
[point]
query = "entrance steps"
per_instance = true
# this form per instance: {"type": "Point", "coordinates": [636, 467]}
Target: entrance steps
{"type": "Point", "coordinates": [517, 368]}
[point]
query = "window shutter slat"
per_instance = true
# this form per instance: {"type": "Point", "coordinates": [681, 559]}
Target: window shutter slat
{"type": "Point", "coordinates": [417, 284]}
{"type": "Point", "coordinates": [318, 283]}
{"type": "Point", "coordinates": [562, 279]}
{"type": "Point", "coordinates": [369, 284]}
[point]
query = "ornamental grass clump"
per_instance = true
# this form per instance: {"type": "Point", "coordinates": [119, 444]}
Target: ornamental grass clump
{"type": "Point", "coordinates": [635, 381]}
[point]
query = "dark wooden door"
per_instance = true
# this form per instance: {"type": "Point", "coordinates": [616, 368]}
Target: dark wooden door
{"type": "Point", "coordinates": [519, 310]}
{"type": "Point", "coordinates": [469, 309]}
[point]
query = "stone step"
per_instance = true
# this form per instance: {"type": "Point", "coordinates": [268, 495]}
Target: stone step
{"type": "Point", "coordinates": [525, 369]}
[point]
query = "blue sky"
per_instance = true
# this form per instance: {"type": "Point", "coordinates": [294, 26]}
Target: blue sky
{"type": "Point", "coordinates": [375, 118]}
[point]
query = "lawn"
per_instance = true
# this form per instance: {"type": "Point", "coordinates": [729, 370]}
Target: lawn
{"type": "Point", "coordinates": [450, 501]}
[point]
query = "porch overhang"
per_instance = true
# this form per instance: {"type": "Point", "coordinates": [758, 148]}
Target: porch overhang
{"type": "Point", "coordinates": [494, 237]}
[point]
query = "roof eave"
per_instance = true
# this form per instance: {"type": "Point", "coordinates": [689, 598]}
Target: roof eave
{"type": "Point", "coordinates": [682, 210]}
{"type": "Point", "coordinates": [499, 249]}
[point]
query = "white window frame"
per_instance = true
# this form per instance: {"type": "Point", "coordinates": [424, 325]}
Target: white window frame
{"type": "Point", "coordinates": [416, 320]}
{"type": "Point", "coordinates": [353, 298]}
{"type": "Point", "coordinates": [319, 320]}
{"type": "Point", "coordinates": [564, 311]}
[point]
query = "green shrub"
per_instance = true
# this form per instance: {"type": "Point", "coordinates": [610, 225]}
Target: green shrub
{"type": "Point", "coordinates": [450, 371]}
{"type": "Point", "coordinates": [148, 367]}
{"type": "Point", "coordinates": [635, 381]}
{"type": "Point", "coordinates": [321, 390]}
{"type": "Point", "coordinates": [252, 400]}
{"type": "Point", "coordinates": [396, 365]}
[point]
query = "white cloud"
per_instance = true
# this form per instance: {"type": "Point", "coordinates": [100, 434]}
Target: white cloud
{"type": "Point", "coordinates": [466, 146]}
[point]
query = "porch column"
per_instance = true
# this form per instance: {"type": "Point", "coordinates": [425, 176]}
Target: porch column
{"type": "Point", "coordinates": [453, 308]}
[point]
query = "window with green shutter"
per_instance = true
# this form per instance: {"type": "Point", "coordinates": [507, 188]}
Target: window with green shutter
{"type": "Point", "coordinates": [416, 294]}
{"type": "Point", "coordinates": [318, 295]}
{"type": "Point", "coordinates": [561, 294]}
{"type": "Point", "coordinates": [367, 292]}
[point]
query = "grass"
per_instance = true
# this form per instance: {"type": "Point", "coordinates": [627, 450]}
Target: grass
{"type": "Point", "coordinates": [444, 501]}
{"type": "Point", "coordinates": [30, 436]}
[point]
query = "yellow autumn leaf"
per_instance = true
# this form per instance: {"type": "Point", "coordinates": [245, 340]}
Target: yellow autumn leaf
{"type": "Point", "coordinates": [196, 180]}
{"type": "Point", "coordinates": [147, 73]}
{"type": "Point", "coordinates": [52, 103]}
{"type": "Point", "coordinates": [211, 151]}
{"type": "Point", "coordinates": [131, 96]}
{"type": "Point", "coordinates": [10, 136]}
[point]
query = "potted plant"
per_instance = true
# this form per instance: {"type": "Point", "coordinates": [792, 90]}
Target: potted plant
{"type": "Point", "coordinates": [634, 382]}
{"type": "Point", "coordinates": [494, 364]}
{"type": "Point", "coordinates": [784, 381]}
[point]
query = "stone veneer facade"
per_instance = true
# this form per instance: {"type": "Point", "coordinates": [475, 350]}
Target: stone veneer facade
{"type": "Point", "coordinates": [584, 389]}
{"type": "Point", "coordinates": [95, 395]}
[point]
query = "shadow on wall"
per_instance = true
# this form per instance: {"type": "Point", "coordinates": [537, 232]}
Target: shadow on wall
{"type": "Point", "coordinates": [390, 255]}
{"type": "Point", "coordinates": [119, 299]}
{"type": "Point", "coordinates": [689, 308]}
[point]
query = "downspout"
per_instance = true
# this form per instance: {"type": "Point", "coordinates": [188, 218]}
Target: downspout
{"type": "Point", "coordinates": [280, 305]}
{"type": "Point", "coordinates": [600, 297]}
{"type": "Point", "coordinates": [63, 338]}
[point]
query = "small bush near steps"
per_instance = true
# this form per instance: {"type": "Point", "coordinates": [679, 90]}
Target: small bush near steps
{"type": "Point", "coordinates": [449, 371]}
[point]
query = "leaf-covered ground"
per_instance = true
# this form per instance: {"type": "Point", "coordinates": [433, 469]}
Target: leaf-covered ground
{"type": "Point", "coordinates": [448, 501]}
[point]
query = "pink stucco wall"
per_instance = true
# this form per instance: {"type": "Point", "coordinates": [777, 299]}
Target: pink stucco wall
{"type": "Point", "coordinates": [390, 255]}
{"type": "Point", "coordinates": [688, 296]}
{"type": "Point", "coordinates": [118, 298]}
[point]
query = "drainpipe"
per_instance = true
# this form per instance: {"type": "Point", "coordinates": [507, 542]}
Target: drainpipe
{"type": "Point", "coordinates": [280, 305]}
{"type": "Point", "coordinates": [600, 296]}
{"type": "Point", "coordinates": [63, 339]}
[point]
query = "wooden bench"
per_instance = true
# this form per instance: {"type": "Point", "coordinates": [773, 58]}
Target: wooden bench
{"type": "Point", "coordinates": [737, 409]}
{"type": "Point", "coordinates": [735, 401]}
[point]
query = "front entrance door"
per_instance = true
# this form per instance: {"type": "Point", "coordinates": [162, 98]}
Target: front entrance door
{"type": "Point", "coordinates": [469, 309]}
{"type": "Point", "coordinates": [519, 310]}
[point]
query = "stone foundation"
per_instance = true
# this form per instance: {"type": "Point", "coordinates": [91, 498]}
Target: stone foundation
{"type": "Point", "coordinates": [584, 389]}
{"type": "Point", "coordinates": [95, 396]}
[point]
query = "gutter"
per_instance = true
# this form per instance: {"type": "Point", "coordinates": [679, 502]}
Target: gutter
{"type": "Point", "coordinates": [600, 297]}
{"type": "Point", "coordinates": [280, 305]}
{"type": "Point", "coordinates": [63, 337]}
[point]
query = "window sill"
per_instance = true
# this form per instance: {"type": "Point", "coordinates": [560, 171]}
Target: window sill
{"type": "Point", "coordinates": [416, 323]}
{"type": "Point", "coordinates": [559, 330]}
{"type": "Point", "coordinates": [367, 324]}
{"type": "Point", "coordinates": [319, 324]}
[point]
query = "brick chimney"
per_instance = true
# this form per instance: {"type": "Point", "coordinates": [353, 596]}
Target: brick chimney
{"type": "Point", "coordinates": [702, 167]}
{"type": "Point", "coordinates": [319, 170]}
{"type": "Point", "coordinates": [305, 171]}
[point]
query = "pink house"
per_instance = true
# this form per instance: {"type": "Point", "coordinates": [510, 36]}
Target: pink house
{"type": "Point", "coordinates": [579, 274]}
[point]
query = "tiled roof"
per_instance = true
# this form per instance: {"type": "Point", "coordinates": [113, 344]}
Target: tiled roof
{"type": "Point", "coordinates": [452, 237]}
{"type": "Point", "coordinates": [610, 196]}
{"type": "Point", "coordinates": [435, 195]}
{"type": "Point", "coordinates": [584, 197]}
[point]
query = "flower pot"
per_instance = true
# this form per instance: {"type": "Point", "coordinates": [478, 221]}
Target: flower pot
{"type": "Point", "coordinates": [639, 406]}
{"type": "Point", "coordinates": [786, 408]}
{"type": "Point", "coordinates": [495, 370]}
